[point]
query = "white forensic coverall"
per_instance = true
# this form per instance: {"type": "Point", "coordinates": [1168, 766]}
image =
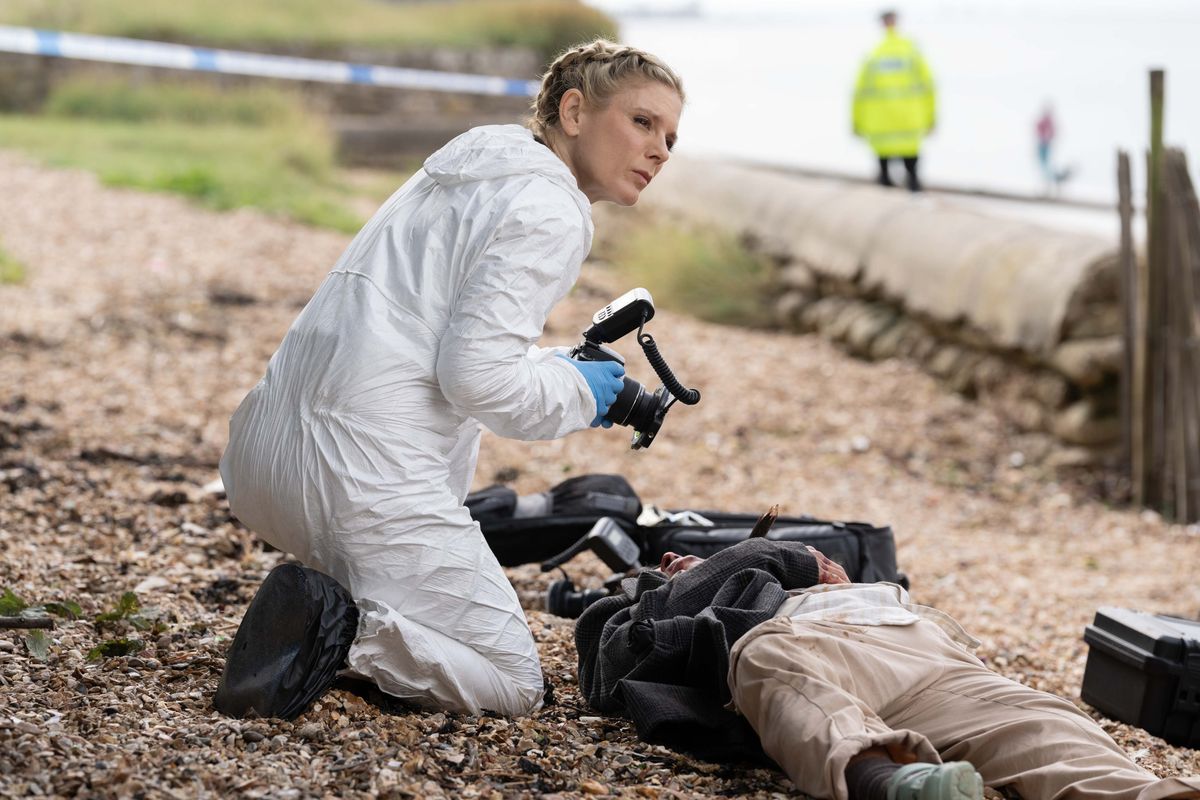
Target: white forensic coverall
{"type": "Point", "coordinates": [356, 449]}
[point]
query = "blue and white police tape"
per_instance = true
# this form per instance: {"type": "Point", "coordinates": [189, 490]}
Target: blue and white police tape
{"type": "Point", "coordinates": [177, 56]}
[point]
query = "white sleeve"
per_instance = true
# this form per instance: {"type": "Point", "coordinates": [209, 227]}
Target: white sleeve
{"type": "Point", "coordinates": [487, 365]}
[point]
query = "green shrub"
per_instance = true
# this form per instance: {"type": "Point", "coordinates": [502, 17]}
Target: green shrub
{"type": "Point", "coordinates": [11, 271]}
{"type": "Point", "coordinates": [197, 182]}
{"type": "Point", "coordinates": [547, 25]}
{"type": "Point", "coordinates": [707, 274]}
{"type": "Point", "coordinates": [288, 169]}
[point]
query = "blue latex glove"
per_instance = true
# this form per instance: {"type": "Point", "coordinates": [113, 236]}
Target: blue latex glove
{"type": "Point", "coordinates": [604, 378]}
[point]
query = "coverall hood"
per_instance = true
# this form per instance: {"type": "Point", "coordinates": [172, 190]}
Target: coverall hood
{"type": "Point", "coordinates": [498, 151]}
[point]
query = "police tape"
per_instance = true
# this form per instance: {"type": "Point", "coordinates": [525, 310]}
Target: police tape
{"type": "Point", "coordinates": [117, 50]}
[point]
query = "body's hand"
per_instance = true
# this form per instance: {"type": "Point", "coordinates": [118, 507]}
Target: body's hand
{"type": "Point", "coordinates": [830, 570]}
{"type": "Point", "coordinates": [605, 379]}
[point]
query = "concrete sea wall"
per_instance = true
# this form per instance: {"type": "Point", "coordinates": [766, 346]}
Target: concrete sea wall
{"type": "Point", "coordinates": [1020, 316]}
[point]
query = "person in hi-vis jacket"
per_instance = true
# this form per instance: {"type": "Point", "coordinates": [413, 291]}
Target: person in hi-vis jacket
{"type": "Point", "coordinates": [895, 102]}
{"type": "Point", "coordinates": [357, 448]}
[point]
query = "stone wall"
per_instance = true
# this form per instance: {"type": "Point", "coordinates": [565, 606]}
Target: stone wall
{"type": "Point", "coordinates": [1023, 317]}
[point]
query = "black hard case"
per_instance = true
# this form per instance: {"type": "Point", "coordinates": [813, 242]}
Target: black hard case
{"type": "Point", "coordinates": [1144, 669]}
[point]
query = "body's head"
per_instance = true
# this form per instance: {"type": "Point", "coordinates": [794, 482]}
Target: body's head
{"type": "Point", "coordinates": [611, 113]}
{"type": "Point", "coordinates": [671, 564]}
{"type": "Point", "coordinates": [888, 17]}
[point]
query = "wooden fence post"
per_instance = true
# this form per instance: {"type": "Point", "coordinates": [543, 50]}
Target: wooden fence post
{"type": "Point", "coordinates": [1184, 252]}
{"type": "Point", "coordinates": [1127, 286]}
{"type": "Point", "coordinates": [1152, 296]}
{"type": "Point", "coordinates": [1160, 315]}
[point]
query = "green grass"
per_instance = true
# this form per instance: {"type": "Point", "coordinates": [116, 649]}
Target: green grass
{"type": "Point", "coordinates": [547, 25]}
{"type": "Point", "coordinates": [193, 103]}
{"type": "Point", "coordinates": [12, 272]}
{"type": "Point", "coordinates": [704, 273]}
{"type": "Point", "coordinates": [225, 150]}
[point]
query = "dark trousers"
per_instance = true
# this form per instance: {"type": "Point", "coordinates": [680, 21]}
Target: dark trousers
{"type": "Point", "coordinates": [910, 167]}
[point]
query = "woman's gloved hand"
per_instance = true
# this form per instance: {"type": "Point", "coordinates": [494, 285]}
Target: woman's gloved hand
{"type": "Point", "coordinates": [604, 378]}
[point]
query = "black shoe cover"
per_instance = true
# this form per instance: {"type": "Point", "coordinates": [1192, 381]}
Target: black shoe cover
{"type": "Point", "coordinates": [290, 645]}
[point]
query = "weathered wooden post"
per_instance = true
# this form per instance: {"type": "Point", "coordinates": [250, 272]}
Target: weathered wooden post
{"type": "Point", "coordinates": [1132, 454]}
{"type": "Point", "coordinates": [1148, 367]}
{"type": "Point", "coordinates": [1183, 430]}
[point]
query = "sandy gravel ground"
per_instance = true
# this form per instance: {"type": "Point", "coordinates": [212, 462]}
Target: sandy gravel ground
{"type": "Point", "coordinates": [145, 320]}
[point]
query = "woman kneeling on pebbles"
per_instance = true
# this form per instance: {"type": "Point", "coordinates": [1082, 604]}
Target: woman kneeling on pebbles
{"type": "Point", "coordinates": [357, 448]}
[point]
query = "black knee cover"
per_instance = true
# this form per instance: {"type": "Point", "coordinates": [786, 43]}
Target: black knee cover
{"type": "Point", "coordinates": [290, 645]}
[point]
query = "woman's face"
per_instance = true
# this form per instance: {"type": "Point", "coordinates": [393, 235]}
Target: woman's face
{"type": "Point", "coordinates": [615, 151]}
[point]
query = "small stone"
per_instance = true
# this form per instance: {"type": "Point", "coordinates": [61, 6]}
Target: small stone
{"type": "Point", "coordinates": [313, 731]}
{"type": "Point", "coordinates": [150, 584]}
{"type": "Point", "coordinates": [593, 787]}
{"type": "Point", "coordinates": [253, 736]}
{"type": "Point", "coordinates": [1061, 500]}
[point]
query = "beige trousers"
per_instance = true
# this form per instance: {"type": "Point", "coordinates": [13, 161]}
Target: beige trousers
{"type": "Point", "coordinates": [817, 693]}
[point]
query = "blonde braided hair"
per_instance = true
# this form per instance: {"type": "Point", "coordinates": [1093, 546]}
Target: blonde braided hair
{"type": "Point", "coordinates": [598, 69]}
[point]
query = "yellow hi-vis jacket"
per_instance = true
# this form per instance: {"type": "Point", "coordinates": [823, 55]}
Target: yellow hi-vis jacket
{"type": "Point", "coordinates": [895, 104]}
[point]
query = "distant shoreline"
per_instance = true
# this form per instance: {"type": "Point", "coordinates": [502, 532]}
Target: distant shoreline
{"type": "Point", "coordinates": [965, 191]}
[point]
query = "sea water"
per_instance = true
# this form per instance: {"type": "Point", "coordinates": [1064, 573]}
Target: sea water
{"type": "Point", "coordinates": [772, 81]}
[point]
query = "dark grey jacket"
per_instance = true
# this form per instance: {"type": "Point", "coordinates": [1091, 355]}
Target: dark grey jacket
{"type": "Point", "coordinates": [658, 652]}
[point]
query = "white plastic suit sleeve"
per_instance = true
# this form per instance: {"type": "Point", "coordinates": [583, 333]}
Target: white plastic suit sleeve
{"type": "Point", "coordinates": [485, 364]}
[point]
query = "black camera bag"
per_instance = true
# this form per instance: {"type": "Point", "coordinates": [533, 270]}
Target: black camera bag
{"type": "Point", "coordinates": [564, 514]}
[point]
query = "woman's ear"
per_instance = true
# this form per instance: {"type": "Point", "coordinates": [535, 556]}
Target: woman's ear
{"type": "Point", "coordinates": [570, 111]}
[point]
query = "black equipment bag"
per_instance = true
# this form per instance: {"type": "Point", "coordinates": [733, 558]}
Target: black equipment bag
{"type": "Point", "coordinates": [1144, 669]}
{"type": "Point", "coordinates": [535, 528]}
{"type": "Point", "coordinates": [532, 528]}
{"type": "Point", "coordinates": [867, 553]}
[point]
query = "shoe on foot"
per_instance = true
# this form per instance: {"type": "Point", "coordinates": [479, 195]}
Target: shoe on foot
{"type": "Point", "coordinates": [954, 780]}
{"type": "Point", "coordinates": [290, 645]}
